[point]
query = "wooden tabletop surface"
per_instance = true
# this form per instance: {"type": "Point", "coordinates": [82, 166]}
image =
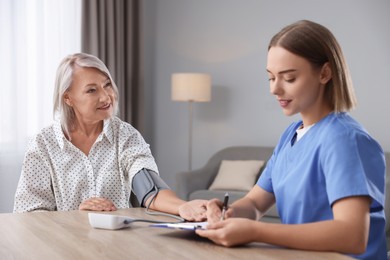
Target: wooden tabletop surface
{"type": "Point", "coordinates": [68, 235]}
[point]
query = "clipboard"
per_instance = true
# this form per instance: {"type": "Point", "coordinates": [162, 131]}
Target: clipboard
{"type": "Point", "coordinates": [182, 226]}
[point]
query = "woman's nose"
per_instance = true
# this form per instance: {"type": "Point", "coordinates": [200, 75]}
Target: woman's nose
{"type": "Point", "coordinates": [275, 87]}
{"type": "Point", "coordinates": [104, 96]}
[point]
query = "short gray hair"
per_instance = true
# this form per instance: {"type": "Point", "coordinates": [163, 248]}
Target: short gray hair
{"type": "Point", "coordinates": [63, 82]}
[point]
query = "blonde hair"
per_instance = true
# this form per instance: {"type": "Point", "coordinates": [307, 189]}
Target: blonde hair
{"type": "Point", "coordinates": [63, 82]}
{"type": "Point", "coordinates": [318, 45]}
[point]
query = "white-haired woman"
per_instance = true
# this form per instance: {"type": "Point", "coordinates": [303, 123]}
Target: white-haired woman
{"type": "Point", "coordinates": [89, 159]}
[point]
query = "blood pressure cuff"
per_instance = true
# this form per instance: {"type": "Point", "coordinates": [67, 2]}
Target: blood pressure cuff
{"type": "Point", "coordinates": [145, 183]}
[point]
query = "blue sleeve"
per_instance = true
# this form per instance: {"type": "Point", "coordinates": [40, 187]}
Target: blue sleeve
{"type": "Point", "coordinates": [354, 165]}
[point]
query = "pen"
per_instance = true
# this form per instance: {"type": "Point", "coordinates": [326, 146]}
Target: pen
{"type": "Point", "coordinates": [225, 206]}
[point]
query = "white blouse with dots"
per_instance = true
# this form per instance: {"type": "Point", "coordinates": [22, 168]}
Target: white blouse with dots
{"type": "Point", "coordinates": [56, 175]}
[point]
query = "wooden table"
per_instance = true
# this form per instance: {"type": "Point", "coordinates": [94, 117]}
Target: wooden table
{"type": "Point", "coordinates": [68, 235]}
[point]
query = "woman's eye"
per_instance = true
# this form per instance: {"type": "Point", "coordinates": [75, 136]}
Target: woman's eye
{"type": "Point", "coordinates": [290, 80]}
{"type": "Point", "coordinates": [107, 85]}
{"type": "Point", "coordinates": [92, 90]}
{"type": "Point", "coordinates": [271, 79]}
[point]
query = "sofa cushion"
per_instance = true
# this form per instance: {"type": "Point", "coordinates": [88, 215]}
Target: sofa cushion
{"type": "Point", "coordinates": [237, 175]}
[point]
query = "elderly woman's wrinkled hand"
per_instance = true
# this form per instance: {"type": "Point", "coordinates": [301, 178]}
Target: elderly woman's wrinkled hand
{"type": "Point", "coordinates": [97, 204]}
{"type": "Point", "coordinates": [194, 210]}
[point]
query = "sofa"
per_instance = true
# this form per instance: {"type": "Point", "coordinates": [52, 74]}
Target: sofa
{"type": "Point", "coordinates": [195, 184]}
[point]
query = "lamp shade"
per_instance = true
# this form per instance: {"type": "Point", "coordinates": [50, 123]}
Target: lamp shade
{"type": "Point", "coordinates": [194, 87]}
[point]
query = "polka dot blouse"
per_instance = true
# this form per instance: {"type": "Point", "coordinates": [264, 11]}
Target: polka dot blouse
{"type": "Point", "coordinates": [56, 175]}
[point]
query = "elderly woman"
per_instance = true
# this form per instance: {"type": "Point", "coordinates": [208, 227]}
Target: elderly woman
{"type": "Point", "coordinates": [89, 159]}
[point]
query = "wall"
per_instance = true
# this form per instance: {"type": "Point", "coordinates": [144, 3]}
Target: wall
{"type": "Point", "coordinates": [228, 39]}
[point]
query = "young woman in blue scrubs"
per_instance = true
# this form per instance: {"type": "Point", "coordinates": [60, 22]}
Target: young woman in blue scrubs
{"type": "Point", "coordinates": [327, 174]}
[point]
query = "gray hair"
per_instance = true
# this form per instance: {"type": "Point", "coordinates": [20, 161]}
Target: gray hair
{"type": "Point", "coordinates": [63, 82]}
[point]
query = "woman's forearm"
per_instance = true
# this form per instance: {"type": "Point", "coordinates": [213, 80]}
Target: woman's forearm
{"type": "Point", "coordinates": [245, 208]}
{"type": "Point", "coordinates": [166, 201]}
{"type": "Point", "coordinates": [332, 235]}
{"type": "Point", "coordinates": [346, 233]}
{"type": "Point", "coordinates": [251, 207]}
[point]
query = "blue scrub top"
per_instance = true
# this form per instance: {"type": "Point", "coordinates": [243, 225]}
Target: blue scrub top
{"type": "Point", "coordinates": [335, 159]}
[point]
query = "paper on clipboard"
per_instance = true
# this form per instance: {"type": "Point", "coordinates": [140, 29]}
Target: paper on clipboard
{"type": "Point", "coordinates": [184, 226]}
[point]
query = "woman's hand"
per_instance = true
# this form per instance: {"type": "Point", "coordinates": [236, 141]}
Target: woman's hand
{"type": "Point", "coordinates": [194, 210]}
{"type": "Point", "coordinates": [97, 204]}
{"type": "Point", "coordinates": [230, 232]}
{"type": "Point", "coordinates": [214, 211]}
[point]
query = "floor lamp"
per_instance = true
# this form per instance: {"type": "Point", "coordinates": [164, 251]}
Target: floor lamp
{"type": "Point", "coordinates": [191, 87]}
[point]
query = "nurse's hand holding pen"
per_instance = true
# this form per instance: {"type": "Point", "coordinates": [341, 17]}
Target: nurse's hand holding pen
{"type": "Point", "coordinates": [224, 231]}
{"type": "Point", "coordinates": [218, 210]}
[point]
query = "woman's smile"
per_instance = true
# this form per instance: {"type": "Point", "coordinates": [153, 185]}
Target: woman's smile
{"type": "Point", "coordinates": [105, 107]}
{"type": "Point", "coordinates": [284, 102]}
